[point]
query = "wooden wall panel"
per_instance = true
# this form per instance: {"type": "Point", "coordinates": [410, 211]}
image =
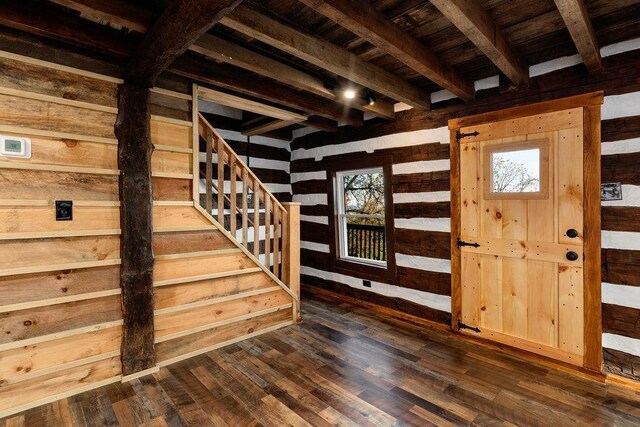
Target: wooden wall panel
{"type": "Point", "coordinates": [25, 289]}
{"type": "Point", "coordinates": [174, 135]}
{"type": "Point", "coordinates": [59, 292]}
{"type": "Point", "coordinates": [19, 75]}
{"type": "Point", "coordinates": [54, 319]}
{"type": "Point", "coordinates": [49, 116]}
{"type": "Point", "coordinates": [23, 219]}
{"type": "Point", "coordinates": [171, 189]}
{"type": "Point", "coordinates": [28, 185]}
{"type": "Point", "coordinates": [68, 152]}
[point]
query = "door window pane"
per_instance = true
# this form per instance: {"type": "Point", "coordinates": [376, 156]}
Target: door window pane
{"type": "Point", "coordinates": [516, 171]}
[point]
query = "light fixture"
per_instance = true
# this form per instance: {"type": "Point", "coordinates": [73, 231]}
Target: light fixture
{"type": "Point", "coordinates": [371, 99]}
{"type": "Point", "coordinates": [349, 93]}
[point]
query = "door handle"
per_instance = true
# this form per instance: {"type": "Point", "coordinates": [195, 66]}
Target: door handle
{"type": "Point", "coordinates": [572, 256]}
{"type": "Point", "coordinates": [572, 233]}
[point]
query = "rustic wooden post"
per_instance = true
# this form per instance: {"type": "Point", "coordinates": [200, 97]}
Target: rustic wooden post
{"type": "Point", "coordinates": [291, 253]}
{"type": "Point", "coordinates": [133, 131]}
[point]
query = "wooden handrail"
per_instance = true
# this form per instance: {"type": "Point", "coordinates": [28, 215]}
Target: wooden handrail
{"type": "Point", "coordinates": [275, 214]}
{"type": "Point", "coordinates": [239, 161]}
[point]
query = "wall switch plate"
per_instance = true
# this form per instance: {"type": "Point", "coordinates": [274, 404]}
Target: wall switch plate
{"type": "Point", "coordinates": [64, 210]}
{"type": "Point", "coordinates": [366, 283]}
{"type": "Point", "coordinates": [15, 146]}
{"type": "Point", "coordinates": [611, 191]}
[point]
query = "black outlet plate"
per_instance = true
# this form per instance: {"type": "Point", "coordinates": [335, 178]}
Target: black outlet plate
{"type": "Point", "coordinates": [64, 210]}
{"type": "Point", "coordinates": [366, 283]}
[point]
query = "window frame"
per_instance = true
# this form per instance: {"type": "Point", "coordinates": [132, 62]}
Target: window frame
{"type": "Point", "coordinates": [487, 171]}
{"type": "Point", "coordinates": [367, 269]}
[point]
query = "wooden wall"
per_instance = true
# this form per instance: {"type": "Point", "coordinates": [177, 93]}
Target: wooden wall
{"type": "Point", "coordinates": [418, 143]}
{"type": "Point", "coordinates": [60, 327]}
{"type": "Point", "coordinates": [61, 321]}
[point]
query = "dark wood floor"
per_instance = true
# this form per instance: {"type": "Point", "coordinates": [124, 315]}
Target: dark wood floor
{"type": "Point", "coordinates": [347, 366]}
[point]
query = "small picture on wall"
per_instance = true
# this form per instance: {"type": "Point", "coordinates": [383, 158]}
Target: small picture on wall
{"type": "Point", "coordinates": [611, 191]}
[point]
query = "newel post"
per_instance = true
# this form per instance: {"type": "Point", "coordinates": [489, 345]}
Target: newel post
{"type": "Point", "coordinates": [291, 253]}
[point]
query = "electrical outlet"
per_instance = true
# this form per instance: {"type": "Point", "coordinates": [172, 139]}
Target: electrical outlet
{"type": "Point", "coordinates": [366, 283]}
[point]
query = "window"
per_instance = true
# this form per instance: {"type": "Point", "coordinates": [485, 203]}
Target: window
{"type": "Point", "coordinates": [361, 215]}
{"type": "Point", "coordinates": [516, 170]}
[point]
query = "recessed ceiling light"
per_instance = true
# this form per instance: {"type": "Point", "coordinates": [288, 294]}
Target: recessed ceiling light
{"type": "Point", "coordinates": [349, 93]}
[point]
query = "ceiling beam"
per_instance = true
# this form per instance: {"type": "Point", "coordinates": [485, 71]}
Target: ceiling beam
{"type": "Point", "coordinates": [117, 12]}
{"type": "Point", "coordinates": [265, 126]}
{"type": "Point", "coordinates": [181, 24]}
{"type": "Point", "coordinates": [238, 80]}
{"type": "Point", "coordinates": [363, 20]}
{"type": "Point", "coordinates": [476, 23]}
{"type": "Point", "coordinates": [249, 105]}
{"type": "Point", "coordinates": [219, 49]}
{"type": "Point", "coordinates": [325, 55]}
{"type": "Point", "coordinates": [576, 18]}
{"type": "Point", "coordinates": [46, 20]}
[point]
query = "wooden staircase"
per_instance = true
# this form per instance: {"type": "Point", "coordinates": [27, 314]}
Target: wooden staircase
{"type": "Point", "coordinates": [213, 285]}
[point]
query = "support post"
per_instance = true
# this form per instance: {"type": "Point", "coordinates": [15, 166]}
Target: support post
{"type": "Point", "coordinates": [291, 254]}
{"type": "Point", "coordinates": [133, 130]}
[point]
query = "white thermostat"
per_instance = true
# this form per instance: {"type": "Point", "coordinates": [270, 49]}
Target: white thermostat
{"type": "Point", "coordinates": [14, 146]}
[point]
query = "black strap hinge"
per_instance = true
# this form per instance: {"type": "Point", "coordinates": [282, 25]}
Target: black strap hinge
{"type": "Point", "coordinates": [460, 135]}
{"type": "Point", "coordinates": [463, 326]}
{"type": "Point", "coordinates": [460, 243]}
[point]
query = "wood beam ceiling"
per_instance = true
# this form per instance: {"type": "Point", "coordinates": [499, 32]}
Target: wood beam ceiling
{"type": "Point", "coordinates": [360, 18]}
{"type": "Point", "coordinates": [576, 18]}
{"type": "Point", "coordinates": [249, 105]}
{"type": "Point", "coordinates": [247, 83]}
{"type": "Point", "coordinates": [222, 50]}
{"type": "Point", "coordinates": [138, 19]}
{"type": "Point", "coordinates": [181, 24]}
{"type": "Point", "coordinates": [264, 126]}
{"type": "Point", "coordinates": [325, 55]}
{"type": "Point", "coordinates": [43, 19]}
{"type": "Point", "coordinates": [475, 23]}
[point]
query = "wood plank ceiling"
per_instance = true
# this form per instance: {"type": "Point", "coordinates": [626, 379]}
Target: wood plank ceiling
{"type": "Point", "coordinates": [300, 55]}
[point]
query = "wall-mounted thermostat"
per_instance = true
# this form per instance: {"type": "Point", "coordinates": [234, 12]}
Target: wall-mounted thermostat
{"type": "Point", "coordinates": [14, 146]}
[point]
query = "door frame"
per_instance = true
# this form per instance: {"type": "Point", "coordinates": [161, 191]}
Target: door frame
{"type": "Point", "coordinates": [591, 104]}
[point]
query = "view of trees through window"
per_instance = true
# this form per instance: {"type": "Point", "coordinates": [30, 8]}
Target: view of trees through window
{"type": "Point", "coordinates": [364, 209]}
{"type": "Point", "coordinates": [516, 171]}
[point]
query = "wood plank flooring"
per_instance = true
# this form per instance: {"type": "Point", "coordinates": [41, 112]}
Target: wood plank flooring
{"type": "Point", "coordinates": [347, 366]}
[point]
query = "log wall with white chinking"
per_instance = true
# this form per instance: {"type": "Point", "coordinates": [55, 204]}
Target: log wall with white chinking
{"type": "Point", "coordinates": [419, 146]}
{"type": "Point", "coordinates": [60, 298]}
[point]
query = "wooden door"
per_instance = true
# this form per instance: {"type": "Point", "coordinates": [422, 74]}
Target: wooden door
{"type": "Point", "coordinates": [521, 234]}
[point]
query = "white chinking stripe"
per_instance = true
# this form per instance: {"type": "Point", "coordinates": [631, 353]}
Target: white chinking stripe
{"type": "Point", "coordinates": [422, 166]}
{"type": "Point", "coordinates": [621, 343]}
{"type": "Point", "coordinates": [274, 188]}
{"type": "Point", "coordinates": [621, 240]}
{"type": "Point", "coordinates": [254, 162]}
{"type": "Point", "coordinates": [424, 136]}
{"type": "Point", "coordinates": [308, 176]}
{"type": "Point", "coordinates": [231, 135]}
{"type": "Point", "coordinates": [426, 197]}
{"type": "Point", "coordinates": [630, 197]}
{"type": "Point", "coordinates": [310, 199]}
{"type": "Point", "coordinates": [313, 246]}
{"type": "Point", "coordinates": [437, 265]}
{"type": "Point", "coordinates": [438, 302]}
{"type": "Point", "coordinates": [616, 106]}
{"type": "Point", "coordinates": [621, 147]}
{"type": "Point", "coordinates": [622, 295]}
{"type": "Point", "coordinates": [426, 224]}
{"type": "Point", "coordinates": [317, 219]}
